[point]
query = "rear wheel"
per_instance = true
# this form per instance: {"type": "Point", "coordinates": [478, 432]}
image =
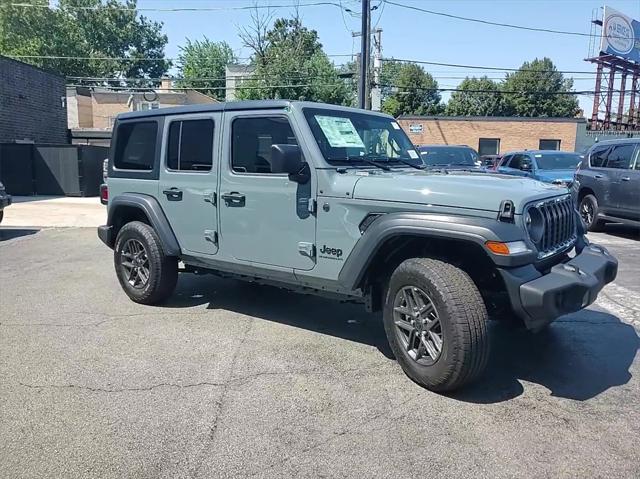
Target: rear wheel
{"type": "Point", "coordinates": [436, 324]}
{"type": "Point", "coordinates": [589, 212]}
{"type": "Point", "coordinates": [145, 273]}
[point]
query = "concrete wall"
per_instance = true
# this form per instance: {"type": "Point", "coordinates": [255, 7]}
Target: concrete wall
{"type": "Point", "coordinates": [32, 104]}
{"type": "Point", "coordinates": [514, 134]}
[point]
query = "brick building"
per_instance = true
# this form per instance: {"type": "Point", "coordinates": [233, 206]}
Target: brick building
{"type": "Point", "coordinates": [32, 104]}
{"type": "Point", "coordinates": [495, 135]}
{"type": "Point", "coordinates": [92, 111]}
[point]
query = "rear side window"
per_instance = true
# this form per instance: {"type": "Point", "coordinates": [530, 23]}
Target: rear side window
{"type": "Point", "coordinates": [620, 157]}
{"type": "Point", "coordinates": [598, 158]}
{"type": "Point", "coordinates": [252, 140]}
{"type": "Point", "coordinates": [190, 145]}
{"type": "Point", "coordinates": [136, 146]}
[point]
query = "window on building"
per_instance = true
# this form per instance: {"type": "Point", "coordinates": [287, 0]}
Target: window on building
{"type": "Point", "coordinates": [252, 140]}
{"type": "Point", "coordinates": [489, 146]}
{"type": "Point", "coordinates": [598, 157]}
{"type": "Point", "coordinates": [549, 145]}
{"type": "Point", "coordinates": [190, 145]}
{"type": "Point", "coordinates": [620, 157]}
{"type": "Point", "coordinates": [136, 145]}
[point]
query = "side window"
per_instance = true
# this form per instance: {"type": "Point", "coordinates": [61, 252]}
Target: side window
{"type": "Point", "coordinates": [252, 139]}
{"type": "Point", "coordinates": [136, 145]}
{"type": "Point", "coordinates": [637, 165]}
{"type": "Point", "coordinates": [620, 157]}
{"type": "Point", "coordinates": [598, 157]}
{"type": "Point", "coordinates": [505, 160]}
{"type": "Point", "coordinates": [190, 145]}
{"type": "Point", "coordinates": [519, 161]}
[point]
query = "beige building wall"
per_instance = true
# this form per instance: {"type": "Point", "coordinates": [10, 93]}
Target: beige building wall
{"type": "Point", "coordinates": [513, 134]}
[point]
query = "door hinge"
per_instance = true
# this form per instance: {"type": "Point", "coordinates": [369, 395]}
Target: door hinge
{"type": "Point", "coordinates": [307, 249]}
{"type": "Point", "coordinates": [211, 236]}
{"type": "Point", "coordinates": [312, 205]}
{"type": "Point", "coordinates": [211, 198]}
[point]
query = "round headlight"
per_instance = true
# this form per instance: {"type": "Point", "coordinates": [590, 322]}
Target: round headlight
{"type": "Point", "coordinates": [535, 224]}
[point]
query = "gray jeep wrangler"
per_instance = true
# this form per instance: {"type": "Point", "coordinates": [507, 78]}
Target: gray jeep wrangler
{"type": "Point", "coordinates": [335, 201]}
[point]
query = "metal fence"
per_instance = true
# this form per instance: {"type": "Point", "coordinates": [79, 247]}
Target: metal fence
{"type": "Point", "coordinates": [70, 170]}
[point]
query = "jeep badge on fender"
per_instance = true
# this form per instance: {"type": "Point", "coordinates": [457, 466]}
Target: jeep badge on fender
{"type": "Point", "coordinates": [218, 188]}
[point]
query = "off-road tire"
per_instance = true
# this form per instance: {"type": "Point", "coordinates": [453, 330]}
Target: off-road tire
{"type": "Point", "coordinates": [595, 224]}
{"type": "Point", "coordinates": [163, 269]}
{"type": "Point", "coordinates": [463, 317]}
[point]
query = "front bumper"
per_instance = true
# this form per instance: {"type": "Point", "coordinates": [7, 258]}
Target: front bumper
{"type": "Point", "coordinates": [568, 287]}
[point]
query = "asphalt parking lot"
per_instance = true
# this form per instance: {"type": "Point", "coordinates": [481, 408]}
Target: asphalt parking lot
{"type": "Point", "coordinates": [236, 379]}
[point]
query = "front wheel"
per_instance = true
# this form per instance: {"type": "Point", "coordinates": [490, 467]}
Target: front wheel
{"type": "Point", "coordinates": [145, 273]}
{"type": "Point", "coordinates": [589, 212]}
{"type": "Point", "coordinates": [436, 324]}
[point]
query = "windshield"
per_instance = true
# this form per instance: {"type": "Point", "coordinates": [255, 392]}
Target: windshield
{"type": "Point", "coordinates": [346, 137]}
{"type": "Point", "coordinates": [449, 155]}
{"type": "Point", "coordinates": [558, 161]}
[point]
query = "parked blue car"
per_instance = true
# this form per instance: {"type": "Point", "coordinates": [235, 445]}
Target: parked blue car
{"type": "Point", "coordinates": [550, 166]}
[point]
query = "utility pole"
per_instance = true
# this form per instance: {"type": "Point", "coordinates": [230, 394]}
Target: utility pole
{"type": "Point", "coordinates": [364, 54]}
{"type": "Point", "coordinates": [376, 92]}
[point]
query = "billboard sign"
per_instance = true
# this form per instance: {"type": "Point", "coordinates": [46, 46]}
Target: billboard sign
{"type": "Point", "coordinates": [620, 35]}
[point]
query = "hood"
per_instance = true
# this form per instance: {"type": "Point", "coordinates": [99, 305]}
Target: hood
{"type": "Point", "coordinates": [551, 175]}
{"type": "Point", "coordinates": [480, 191]}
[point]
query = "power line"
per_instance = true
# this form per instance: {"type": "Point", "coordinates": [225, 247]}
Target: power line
{"type": "Point", "coordinates": [178, 9]}
{"type": "Point", "coordinates": [478, 67]}
{"type": "Point", "coordinates": [131, 59]}
{"type": "Point", "coordinates": [496, 92]}
{"type": "Point", "coordinates": [488, 22]}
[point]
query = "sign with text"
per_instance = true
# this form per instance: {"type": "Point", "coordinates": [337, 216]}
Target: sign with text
{"type": "Point", "coordinates": [620, 35]}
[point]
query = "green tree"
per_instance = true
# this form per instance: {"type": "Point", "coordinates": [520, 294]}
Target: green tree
{"type": "Point", "coordinates": [416, 93]}
{"type": "Point", "coordinates": [85, 28]}
{"type": "Point", "coordinates": [476, 97]}
{"type": "Point", "coordinates": [539, 91]}
{"type": "Point", "coordinates": [202, 59]}
{"type": "Point", "coordinates": [290, 63]}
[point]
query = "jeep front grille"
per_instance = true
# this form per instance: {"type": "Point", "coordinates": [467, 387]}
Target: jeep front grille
{"type": "Point", "coordinates": [559, 221]}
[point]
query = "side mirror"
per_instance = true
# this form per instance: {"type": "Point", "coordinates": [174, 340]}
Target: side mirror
{"type": "Point", "coordinates": [288, 159]}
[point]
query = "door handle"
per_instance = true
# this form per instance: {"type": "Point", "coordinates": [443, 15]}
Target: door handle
{"type": "Point", "coordinates": [626, 178]}
{"type": "Point", "coordinates": [173, 194]}
{"type": "Point", "coordinates": [233, 198]}
{"type": "Point", "coordinates": [598, 177]}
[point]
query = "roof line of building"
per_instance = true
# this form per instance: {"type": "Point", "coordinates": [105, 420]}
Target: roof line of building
{"type": "Point", "coordinates": [495, 118]}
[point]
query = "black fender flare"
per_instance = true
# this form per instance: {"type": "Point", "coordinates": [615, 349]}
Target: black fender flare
{"type": "Point", "coordinates": [476, 230]}
{"type": "Point", "coordinates": [153, 211]}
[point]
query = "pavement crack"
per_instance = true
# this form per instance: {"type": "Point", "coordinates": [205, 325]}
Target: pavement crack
{"type": "Point", "coordinates": [120, 390]}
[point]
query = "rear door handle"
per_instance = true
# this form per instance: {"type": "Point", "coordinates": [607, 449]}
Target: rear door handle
{"type": "Point", "coordinates": [598, 177]}
{"type": "Point", "coordinates": [233, 198]}
{"type": "Point", "coordinates": [173, 194]}
{"type": "Point", "coordinates": [626, 178]}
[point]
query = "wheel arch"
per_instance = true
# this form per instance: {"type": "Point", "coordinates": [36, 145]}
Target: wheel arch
{"type": "Point", "coordinates": [145, 208]}
{"type": "Point", "coordinates": [391, 240]}
{"type": "Point", "coordinates": [584, 191]}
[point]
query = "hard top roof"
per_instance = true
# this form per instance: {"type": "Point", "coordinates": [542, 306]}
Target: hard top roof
{"type": "Point", "coordinates": [235, 106]}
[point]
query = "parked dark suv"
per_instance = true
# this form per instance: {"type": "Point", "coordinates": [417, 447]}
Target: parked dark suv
{"type": "Point", "coordinates": [608, 183]}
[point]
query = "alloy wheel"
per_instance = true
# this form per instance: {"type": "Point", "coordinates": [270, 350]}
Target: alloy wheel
{"type": "Point", "coordinates": [586, 211]}
{"type": "Point", "coordinates": [418, 325]}
{"type": "Point", "coordinates": [135, 262]}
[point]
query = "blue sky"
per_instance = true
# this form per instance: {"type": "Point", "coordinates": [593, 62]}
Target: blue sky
{"type": "Point", "coordinates": [419, 36]}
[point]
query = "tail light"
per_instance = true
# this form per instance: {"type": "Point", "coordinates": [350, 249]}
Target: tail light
{"type": "Point", "coordinates": [104, 194]}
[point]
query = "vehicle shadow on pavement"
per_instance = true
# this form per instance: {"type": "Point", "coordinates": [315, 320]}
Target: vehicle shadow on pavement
{"type": "Point", "coordinates": [622, 231]}
{"type": "Point", "coordinates": [578, 357]}
{"type": "Point", "coordinates": [313, 313]}
{"type": "Point", "coordinates": [11, 233]}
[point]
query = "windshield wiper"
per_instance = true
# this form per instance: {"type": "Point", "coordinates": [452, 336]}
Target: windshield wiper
{"type": "Point", "coordinates": [368, 160]}
{"type": "Point", "coordinates": [408, 163]}
{"type": "Point", "coordinates": [386, 159]}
